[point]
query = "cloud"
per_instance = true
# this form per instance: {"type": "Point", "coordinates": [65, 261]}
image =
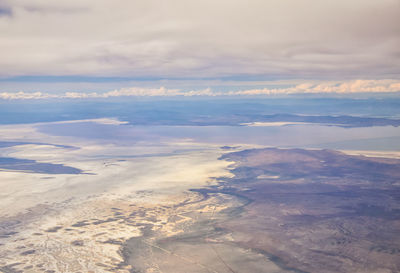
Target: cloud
{"type": "Point", "coordinates": [4, 11]}
{"type": "Point", "coordinates": [196, 39]}
{"type": "Point", "coordinates": [357, 86]}
{"type": "Point", "coordinates": [24, 95]}
{"type": "Point", "coordinates": [124, 92]}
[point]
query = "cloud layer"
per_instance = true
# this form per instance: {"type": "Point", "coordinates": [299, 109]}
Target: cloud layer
{"type": "Point", "coordinates": [358, 86]}
{"type": "Point", "coordinates": [179, 39]}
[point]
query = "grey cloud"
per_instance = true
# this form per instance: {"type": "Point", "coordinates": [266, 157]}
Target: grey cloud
{"type": "Point", "coordinates": [4, 11]}
{"type": "Point", "coordinates": [299, 39]}
{"type": "Point", "coordinates": [46, 9]}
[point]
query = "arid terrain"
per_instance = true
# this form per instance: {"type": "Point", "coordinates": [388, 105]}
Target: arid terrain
{"type": "Point", "coordinates": [77, 204]}
{"type": "Point", "coordinates": [284, 211]}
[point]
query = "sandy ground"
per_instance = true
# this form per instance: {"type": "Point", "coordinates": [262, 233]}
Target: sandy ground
{"type": "Point", "coordinates": [77, 222]}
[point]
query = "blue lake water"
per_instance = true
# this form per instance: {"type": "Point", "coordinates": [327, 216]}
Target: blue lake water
{"type": "Point", "coordinates": [383, 138]}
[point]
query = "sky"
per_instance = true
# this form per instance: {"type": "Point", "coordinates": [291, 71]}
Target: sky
{"type": "Point", "coordinates": [205, 47]}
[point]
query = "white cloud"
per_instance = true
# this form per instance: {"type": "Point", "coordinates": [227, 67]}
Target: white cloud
{"type": "Point", "coordinates": [357, 86]}
{"type": "Point", "coordinates": [25, 95]}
